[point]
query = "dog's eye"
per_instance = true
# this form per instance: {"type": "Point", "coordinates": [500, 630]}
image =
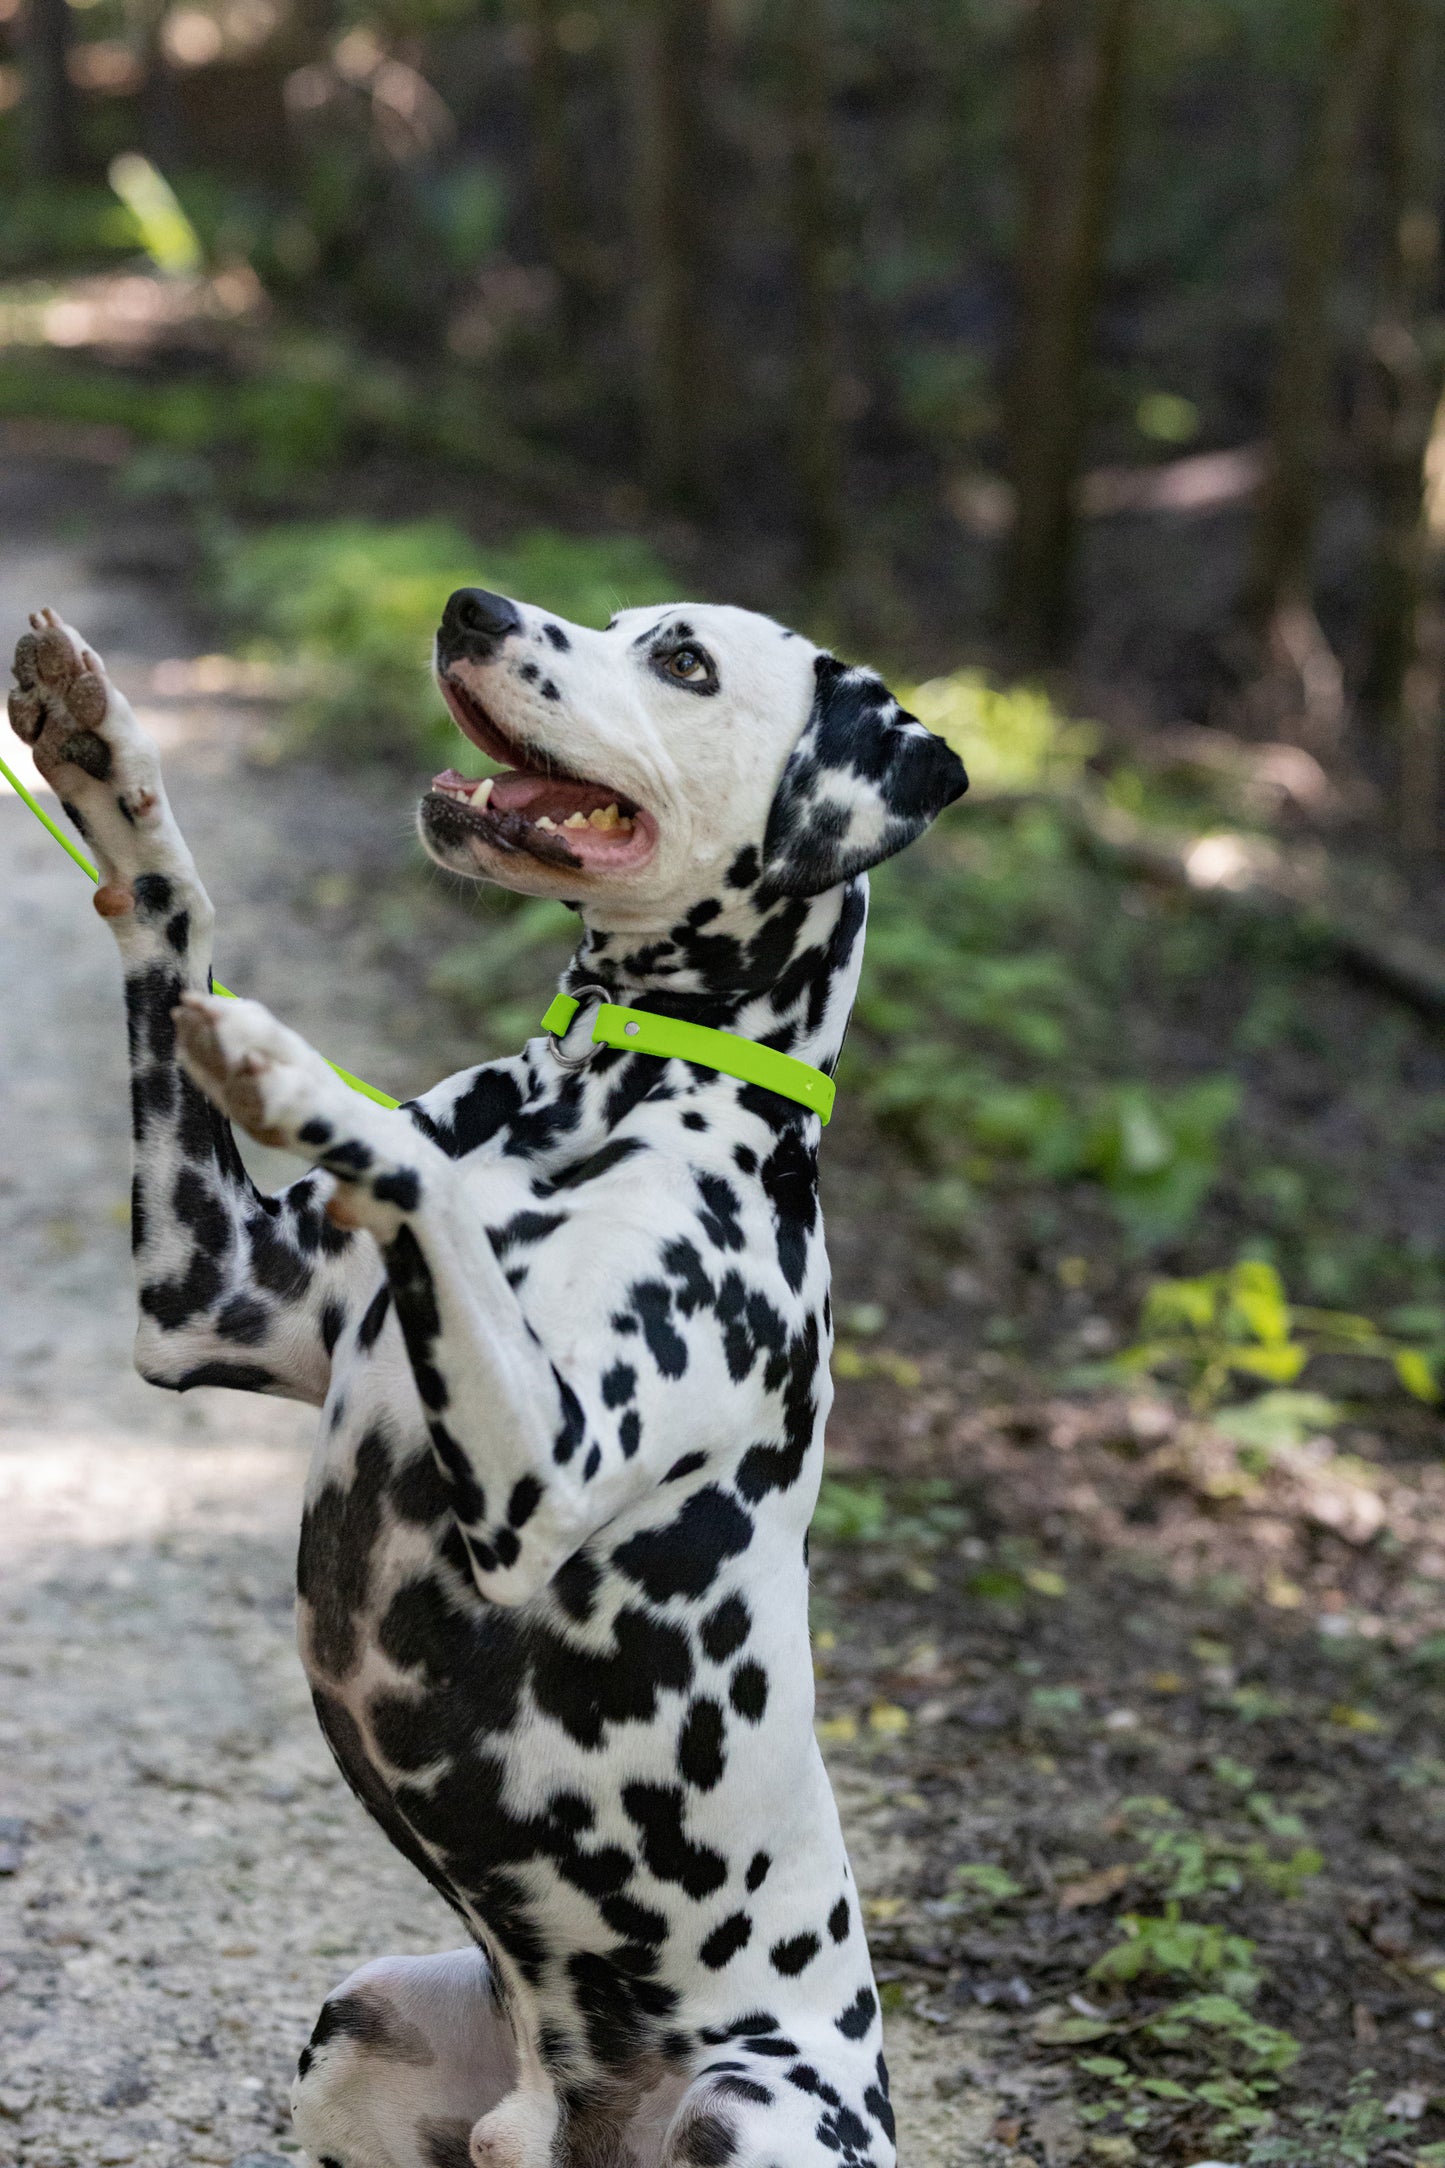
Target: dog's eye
{"type": "Point", "coordinates": [687, 663]}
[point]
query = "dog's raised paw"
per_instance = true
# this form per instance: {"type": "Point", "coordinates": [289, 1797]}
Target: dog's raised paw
{"type": "Point", "coordinates": [262, 1074]}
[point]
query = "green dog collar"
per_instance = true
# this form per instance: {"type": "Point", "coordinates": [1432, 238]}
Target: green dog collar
{"type": "Point", "coordinates": [637, 1031]}
{"type": "Point", "coordinates": [632, 1030]}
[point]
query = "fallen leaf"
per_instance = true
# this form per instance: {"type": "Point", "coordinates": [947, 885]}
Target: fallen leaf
{"type": "Point", "coordinates": [1355, 1719]}
{"type": "Point", "coordinates": [1093, 1889]}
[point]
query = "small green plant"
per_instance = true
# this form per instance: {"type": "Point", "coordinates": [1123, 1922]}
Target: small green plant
{"type": "Point", "coordinates": [1239, 1326]}
{"type": "Point", "coordinates": [1171, 1947]}
{"type": "Point", "coordinates": [1351, 2137]}
{"type": "Point", "coordinates": [1157, 2071]}
{"type": "Point", "coordinates": [982, 1878]}
{"type": "Point", "coordinates": [1189, 1863]}
{"type": "Point", "coordinates": [922, 1515]}
{"type": "Point", "coordinates": [850, 1512]}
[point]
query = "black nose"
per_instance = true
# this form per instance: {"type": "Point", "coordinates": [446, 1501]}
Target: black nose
{"type": "Point", "coordinates": [474, 622]}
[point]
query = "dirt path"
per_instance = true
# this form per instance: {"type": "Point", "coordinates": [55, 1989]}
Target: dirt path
{"type": "Point", "coordinates": [184, 1876]}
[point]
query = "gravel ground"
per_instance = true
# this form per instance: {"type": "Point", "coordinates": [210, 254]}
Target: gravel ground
{"type": "Point", "coordinates": [184, 1875]}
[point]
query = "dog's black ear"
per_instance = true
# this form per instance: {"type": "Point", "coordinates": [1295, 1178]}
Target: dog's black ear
{"type": "Point", "coordinates": [864, 779]}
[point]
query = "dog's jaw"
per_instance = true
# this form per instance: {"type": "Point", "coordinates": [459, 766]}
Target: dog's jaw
{"type": "Point", "coordinates": [538, 817]}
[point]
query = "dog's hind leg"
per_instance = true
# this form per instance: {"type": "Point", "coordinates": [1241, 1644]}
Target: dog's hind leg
{"type": "Point", "coordinates": [407, 2055]}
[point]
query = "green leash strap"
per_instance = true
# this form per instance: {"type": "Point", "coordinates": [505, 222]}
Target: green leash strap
{"type": "Point", "coordinates": [632, 1031]}
{"type": "Point", "coordinates": [368, 1091]}
{"type": "Point", "coordinates": [636, 1031]}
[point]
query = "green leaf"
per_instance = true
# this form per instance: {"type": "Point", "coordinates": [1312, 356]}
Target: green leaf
{"type": "Point", "coordinates": [1417, 1374]}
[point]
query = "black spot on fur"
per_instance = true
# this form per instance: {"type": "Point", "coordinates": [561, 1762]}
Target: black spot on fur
{"type": "Point", "coordinates": [757, 1872]}
{"type": "Point", "coordinates": [749, 1691]}
{"type": "Point", "coordinates": [524, 1501]}
{"type": "Point", "coordinates": [368, 1332]}
{"type": "Point", "coordinates": [403, 1189]}
{"type": "Point", "coordinates": [859, 2015]}
{"type": "Point", "coordinates": [575, 1585]}
{"type": "Point", "coordinates": [700, 1756]}
{"type": "Point", "coordinates": [657, 1809]}
{"type": "Point", "coordinates": [794, 1955]}
{"type": "Point", "coordinates": [652, 1300]}
{"type": "Point", "coordinates": [838, 1920]}
{"type": "Point", "coordinates": [683, 1558]}
{"type": "Point", "coordinates": [618, 1385]}
{"type": "Point", "coordinates": [740, 2088]}
{"type": "Point", "coordinates": [338, 1535]}
{"type": "Point", "coordinates": [586, 1690]}
{"type": "Point", "coordinates": [241, 1377]}
{"type": "Point", "coordinates": [243, 1319]}
{"type": "Point", "coordinates": [727, 1938]}
{"type": "Point", "coordinates": [726, 1629]}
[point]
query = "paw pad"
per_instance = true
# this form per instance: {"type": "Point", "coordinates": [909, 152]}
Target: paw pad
{"type": "Point", "coordinates": [26, 650]}
{"type": "Point", "coordinates": [86, 700]}
{"type": "Point", "coordinates": [27, 716]}
{"type": "Point", "coordinates": [54, 657]}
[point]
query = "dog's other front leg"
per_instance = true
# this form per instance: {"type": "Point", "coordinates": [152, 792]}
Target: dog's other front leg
{"type": "Point", "coordinates": [235, 1288]}
{"type": "Point", "coordinates": [505, 1426]}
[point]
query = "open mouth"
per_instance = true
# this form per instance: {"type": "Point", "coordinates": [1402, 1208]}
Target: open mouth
{"type": "Point", "coordinates": [541, 809]}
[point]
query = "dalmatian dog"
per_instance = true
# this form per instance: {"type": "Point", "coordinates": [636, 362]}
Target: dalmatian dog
{"type": "Point", "coordinates": [567, 1319]}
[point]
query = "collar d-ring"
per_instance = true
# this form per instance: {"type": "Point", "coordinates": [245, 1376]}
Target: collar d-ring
{"type": "Point", "coordinates": [583, 996]}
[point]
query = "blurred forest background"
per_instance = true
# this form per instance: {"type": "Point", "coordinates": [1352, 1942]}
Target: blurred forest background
{"type": "Point", "coordinates": [1079, 362]}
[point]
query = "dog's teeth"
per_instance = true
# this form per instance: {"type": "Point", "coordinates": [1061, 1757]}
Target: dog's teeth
{"type": "Point", "coordinates": [483, 792]}
{"type": "Point", "coordinates": [546, 822]}
{"type": "Point", "coordinates": [626, 825]}
{"type": "Point", "coordinates": [606, 817]}
{"type": "Point", "coordinates": [575, 820]}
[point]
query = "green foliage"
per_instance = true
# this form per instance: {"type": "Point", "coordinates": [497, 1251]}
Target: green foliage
{"type": "Point", "coordinates": [920, 1515]}
{"type": "Point", "coordinates": [1186, 1862]}
{"type": "Point", "coordinates": [984, 1879]}
{"type": "Point", "coordinates": [978, 1023]}
{"type": "Point", "coordinates": [1171, 1947]}
{"type": "Point", "coordinates": [1239, 1325]}
{"type": "Point", "coordinates": [495, 976]}
{"type": "Point", "coordinates": [1352, 2137]}
{"type": "Point", "coordinates": [850, 1512]}
{"type": "Point", "coordinates": [355, 605]}
{"type": "Point", "coordinates": [63, 225]}
{"type": "Point", "coordinates": [165, 232]}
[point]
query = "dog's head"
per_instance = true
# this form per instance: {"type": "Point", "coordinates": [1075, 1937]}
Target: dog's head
{"type": "Point", "coordinates": [648, 765]}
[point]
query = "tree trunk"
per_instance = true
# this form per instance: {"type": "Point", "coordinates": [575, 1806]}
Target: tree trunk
{"type": "Point", "coordinates": [1074, 80]}
{"type": "Point", "coordinates": [1402, 686]}
{"type": "Point", "coordinates": [559, 212]}
{"type": "Point", "coordinates": [1280, 584]}
{"type": "Point", "coordinates": [52, 131]}
{"type": "Point", "coordinates": [671, 73]}
{"type": "Point", "coordinates": [814, 427]}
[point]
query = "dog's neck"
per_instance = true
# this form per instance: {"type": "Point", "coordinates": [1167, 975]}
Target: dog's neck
{"type": "Point", "coordinates": [780, 969]}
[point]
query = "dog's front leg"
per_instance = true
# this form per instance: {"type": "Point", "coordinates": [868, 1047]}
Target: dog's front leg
{"type": "Point", "coordinates": [235, 1288]}
{"type": "Point", "coordinates": [504, 1424]}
